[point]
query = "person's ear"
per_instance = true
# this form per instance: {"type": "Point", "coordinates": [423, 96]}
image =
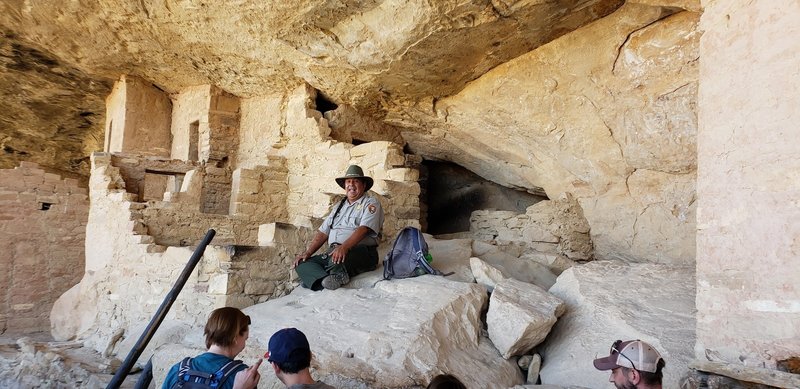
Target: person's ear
{"type": "Point", "coordinates": [635, 376]}
{"type": "Point", "coordinates": [275, 368]}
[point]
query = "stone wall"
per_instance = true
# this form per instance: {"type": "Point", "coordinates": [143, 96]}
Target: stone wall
{"type": "Point", "coordinates": [42, 227]}
{"type": "Point", "coordinates": [138, 172]}
{"type": "Point", "coordinates": [748, 299]}
{"type": "Point", "coordinates": [260, 193]}
{"type": "Point", "coordinates": [129, 272]}
{"type": "Point", "coordinates": [548, 228]}
{"type": "Point", "coordinates": [190, 123]}
{"type": "Point", "coordinates": [259, 129]}
{"type": "Point", "coordinates": [313, 161]}
{"type": "Point", "coordinates": [138, 118]}
{"type": "Point", "coordinates": [216, 194]}
{"type": "Point", "coordinates": [223, 126]}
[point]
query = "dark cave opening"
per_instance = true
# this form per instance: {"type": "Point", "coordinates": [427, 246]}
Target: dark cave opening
{"type": "Point", "coordinates": [449, 194]}
{"type": "Point", "coordinates": [324, 104]}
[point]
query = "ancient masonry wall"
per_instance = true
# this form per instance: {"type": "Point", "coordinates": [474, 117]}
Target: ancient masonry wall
{"type": "Point", "coordinates": [546, 231]}
{"type": "Point", "coordinates": [138, 118]}
{"type": "Point", "coordinates": [129, 272]}
{"type": "Point", "coordinates": [259, 129]}
{"type": "Point", "coordinates": [748, 184]}
{"type": "Point", "coordinates": [190, 124]}
{"type": "Point", "coordinates": [314, 160]}
{"type": "Point", "coordinates": [42, 228]}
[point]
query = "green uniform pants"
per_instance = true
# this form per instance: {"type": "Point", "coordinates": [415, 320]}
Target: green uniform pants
{"type": "Point", "coordinates": [359, 259]}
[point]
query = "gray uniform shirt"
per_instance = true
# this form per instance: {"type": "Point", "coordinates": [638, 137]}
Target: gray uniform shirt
{"type": "Point", "coordinates": [366, 211]}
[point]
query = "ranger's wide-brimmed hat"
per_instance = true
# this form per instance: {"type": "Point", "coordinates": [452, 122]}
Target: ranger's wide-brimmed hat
{"type": "Point", "coordinates": [354, 171]}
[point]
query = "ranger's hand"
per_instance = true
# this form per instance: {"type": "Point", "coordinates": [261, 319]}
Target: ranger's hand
{"type": "Point", "coordinates": [339, 254]}
{"type": "Point", "coordinates": [300, 258]}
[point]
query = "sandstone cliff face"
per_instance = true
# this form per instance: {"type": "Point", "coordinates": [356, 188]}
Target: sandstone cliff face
{"type": "Point", "coordinates": [592, 114]}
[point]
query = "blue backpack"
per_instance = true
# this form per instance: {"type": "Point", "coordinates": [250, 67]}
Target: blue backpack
{"type": "Point", "coordinates": [407, 258]}
{"type": "Point", "coordinates": [194, 379]}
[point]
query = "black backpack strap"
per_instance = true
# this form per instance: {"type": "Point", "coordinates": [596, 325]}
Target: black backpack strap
{"type": "Point", "coordinates": [339, 208]}
{"type": "Point", "coordinates": [185, 367]}
{"type": "Point", "coordinates": [225, 371]}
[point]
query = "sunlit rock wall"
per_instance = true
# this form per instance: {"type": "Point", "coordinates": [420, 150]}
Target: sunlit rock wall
{"type": "Point", "coordinates": [748, 240]}
{"type": "Point", "coordinates": [606, 113]}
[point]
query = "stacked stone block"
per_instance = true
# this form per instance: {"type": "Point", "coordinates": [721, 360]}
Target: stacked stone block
{"type": "Point", "coordinates": [216, 192]}
{"type": "Point", "coordinates": [42, 228]}
{"type": "Point", "coordinates": [552, 228]}
{"type": "Point", "coordinates": [223, 125]}
{"type": "Point", "coordinates": [261, 193]}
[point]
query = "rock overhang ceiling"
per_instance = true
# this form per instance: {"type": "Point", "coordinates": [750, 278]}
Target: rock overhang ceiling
{"type": "Point", "coordinates": [592, 100]}
{"type": "Point", "coordinates": [372, 55]}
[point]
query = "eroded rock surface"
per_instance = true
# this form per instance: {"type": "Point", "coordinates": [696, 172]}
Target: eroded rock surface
{"type": "Point", "coordinates": [399, 333]}
{"type": "Point", "coordinates": [578, 115]}
{"type": "Point", "coordinates": [610, 300]}
{"type": "Point", "coordinates": [52, 112]}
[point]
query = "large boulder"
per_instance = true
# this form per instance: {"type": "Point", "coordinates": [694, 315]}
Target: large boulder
{"type": "Point", "coordinates": [399, 333]}
{"type": "Point", "coordinates": [610, 300]}
{"type": "Point", "coordinates": [510, 266]}
{"type": "Point", "coordinates": [520, 316]}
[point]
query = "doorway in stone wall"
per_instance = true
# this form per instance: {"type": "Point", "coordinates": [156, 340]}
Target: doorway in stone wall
{"type": "Point", "coordinates": [449, 193]}
{"type": "Point", "coordinates": [194, 140]}
{"type": "Point", "coordinates": [157, 182]}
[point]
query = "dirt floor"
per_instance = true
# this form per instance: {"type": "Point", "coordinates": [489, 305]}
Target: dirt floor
{"type": "Point", "coordinates": [36, 361]}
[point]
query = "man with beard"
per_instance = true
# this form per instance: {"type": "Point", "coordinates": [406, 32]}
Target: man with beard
{"type": "Point", "coordinates": [351, 231]}
{"type": "Point", "coordinates": [634, 365]}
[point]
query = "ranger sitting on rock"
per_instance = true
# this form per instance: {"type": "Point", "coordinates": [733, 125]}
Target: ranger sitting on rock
{"type": "Point", "coordinates": [352, 233]}
{"type": "Point", "coordinates": [634, 365]}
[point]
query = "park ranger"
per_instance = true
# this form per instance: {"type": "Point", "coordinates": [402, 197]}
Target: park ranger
{"type": "Point", "coordinates": [351, 230]}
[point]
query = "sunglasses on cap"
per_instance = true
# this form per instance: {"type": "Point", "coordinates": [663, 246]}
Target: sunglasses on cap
{"type": "Point", "coordinates": [615, 349]}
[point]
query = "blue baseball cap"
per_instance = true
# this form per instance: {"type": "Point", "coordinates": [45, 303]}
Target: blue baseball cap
{"type": "Point", "coordinates": [288, 345]}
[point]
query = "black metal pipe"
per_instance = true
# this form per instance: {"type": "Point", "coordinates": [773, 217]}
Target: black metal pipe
{"type": "Point", "coordinates": [148, 333]}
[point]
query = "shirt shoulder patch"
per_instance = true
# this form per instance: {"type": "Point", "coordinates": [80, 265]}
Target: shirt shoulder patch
{"type": "Point", "coordinates": [372, 208]}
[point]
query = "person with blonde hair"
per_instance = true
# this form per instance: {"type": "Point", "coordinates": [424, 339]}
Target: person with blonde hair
{"type": "Point", "coordinates": [226, 332]}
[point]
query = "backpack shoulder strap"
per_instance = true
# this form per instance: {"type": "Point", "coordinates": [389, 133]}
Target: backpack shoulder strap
{"type": "Point", "coordinates": [183, 368]}
{"type": "Point", "coordinates": [420, 256]}
{"type": "Point", "coordinates": [339, 208]}
{"type": "Point", "coordinates": [225, 371]}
